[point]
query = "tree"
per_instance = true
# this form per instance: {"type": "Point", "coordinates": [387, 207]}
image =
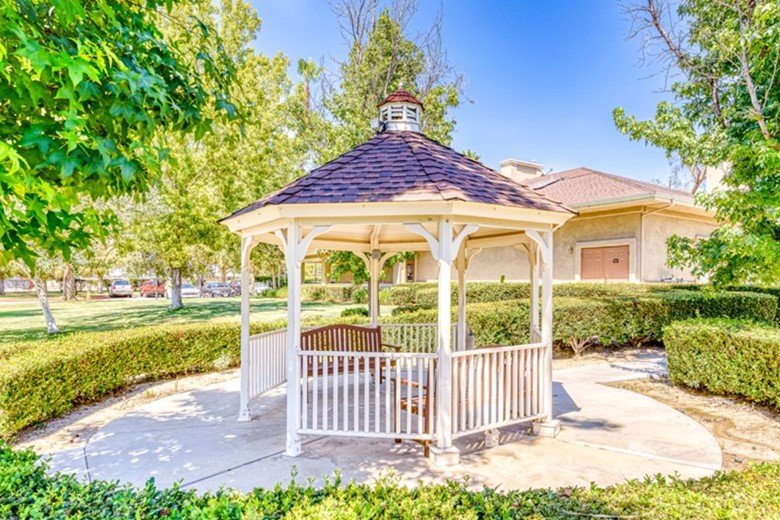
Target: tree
{"type": "Point", "coordinates": [85, 89]}
{"type": "Point", "coordinates": [382, 58]}
{"type": "Point", "coordinates": [726, 112]}
{"type": "Point", "coordinates": [238, 163]}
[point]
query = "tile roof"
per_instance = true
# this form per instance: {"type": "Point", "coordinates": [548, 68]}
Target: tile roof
{"type": "Point", "coordinates": [401, 96]}
{"type": "Point", "coordinates": [586, 186]}
{"type": "Point", "coordinates": [405, 166]}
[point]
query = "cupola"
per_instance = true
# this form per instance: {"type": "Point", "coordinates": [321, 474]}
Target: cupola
{"type": "Point", "coordinates": [400, 111]}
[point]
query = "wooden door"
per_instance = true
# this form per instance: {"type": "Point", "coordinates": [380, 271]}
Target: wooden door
{"type": "Point", "coordinates": [604, 263]}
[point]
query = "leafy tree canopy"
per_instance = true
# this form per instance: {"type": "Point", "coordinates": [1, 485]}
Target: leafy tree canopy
{"type": "Point", "coordinates": [85, 90]}
{"type": "Point", "coordinates": [726, 112]}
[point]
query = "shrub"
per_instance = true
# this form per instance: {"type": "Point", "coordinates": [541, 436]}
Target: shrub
{"type": "Point", "coordinates": [28, 490]}
{"type": "Point", "coordinates": [360, 295]}
{"type": "Point", "coordinates": [333, 293]}
{"type": "Point", "coordinates": [726, 357]}
{"type": "Point", "coordinates": [354, 311]}
{"type": "Point", "coordinates": [38, 382]}
{"type": "Point", "coordinates": [578, 321]}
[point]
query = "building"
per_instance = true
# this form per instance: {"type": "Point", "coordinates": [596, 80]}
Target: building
{"type": "Point", "coordinates": [619, 234]}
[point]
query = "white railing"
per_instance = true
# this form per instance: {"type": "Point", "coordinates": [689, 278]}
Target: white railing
{"type": "Point", "coordinates": [415, 337]}
{"type": "Point", "coordinates": [267, 361]}
{"type": "Point", "coordinates": [495, 387]}
{"type": "Point", "coordinates": [367, 394]}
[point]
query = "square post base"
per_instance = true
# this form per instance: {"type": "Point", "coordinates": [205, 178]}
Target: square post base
{"type": "Point", "coordinates": [444, 456]}
{"type": "Point", "coordinates": [244, 416]}
{"type": "Point", "coordinates": [547, 428]}
{"type": "Point", "coordinates": [293, 449]}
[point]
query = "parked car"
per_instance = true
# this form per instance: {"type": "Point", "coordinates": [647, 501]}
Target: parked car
{"type": "Point", "coordinates": [120, 288]}
{"type": "Point", "coordinates": [213, 289]}
{"type": "Point", "coordinates": [152, 288]}
{"type": "Point", "coordinates": [187, 291]}
{"type": "Point", "coordinates": [260, 287]}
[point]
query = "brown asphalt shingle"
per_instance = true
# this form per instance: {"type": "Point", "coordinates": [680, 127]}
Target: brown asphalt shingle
{"type": "Point", "coordinates": [585, 186]}
{"type": "Point", "coordinates": [402, 167]}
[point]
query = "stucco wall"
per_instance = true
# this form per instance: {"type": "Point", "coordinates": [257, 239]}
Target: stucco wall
{"type": "Point", "coordinates": [589, 229]}
{"type": "Point", "coordinates": [649, 255]}
{"type": "Point", "coordinates": [656, 229]}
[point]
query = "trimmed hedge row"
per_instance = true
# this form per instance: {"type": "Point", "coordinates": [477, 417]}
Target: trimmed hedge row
{"type": "Point", "coordinates": [726, 357]}
{"type": "Point", "coordinates": [28, 491]}
{"type": "Point", "coordinates": [483, 292]}
{"type": "Point", "coordinates": [40, 381]}
{"type": "Point", "coordinates": [611, 320]}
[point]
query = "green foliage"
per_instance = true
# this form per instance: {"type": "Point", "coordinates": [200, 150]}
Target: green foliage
{"type": "Point", "coordinates": [354, 311]}
{"type": "Point", "coordinates": [613, 320]}
{"type": "Point", "coordinates": [360, 295]}
{"type": "Point", "coordinates": [726, 114]}
{"type": "Point", "coordinates": [383, 56]}
{"type": "Point", "coordinates": [176, 226]}
{"type": "Point", "coordinates": [28, 490]}
{"type": "Point", "coordinates": [332, 293]}
{"type": "Point", "coordinates": [86, 90]}
{"type": "Point", "coordinates": [40, 383]}
{"type": "Point", "coordinates": [726, 357]}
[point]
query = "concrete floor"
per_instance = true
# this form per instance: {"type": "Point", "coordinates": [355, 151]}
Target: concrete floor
{"type": "Point", "coordinates": [608, 435]}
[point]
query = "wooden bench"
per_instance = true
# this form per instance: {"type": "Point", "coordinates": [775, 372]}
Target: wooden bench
{"type": "Point", "coordinates": [344, 338]}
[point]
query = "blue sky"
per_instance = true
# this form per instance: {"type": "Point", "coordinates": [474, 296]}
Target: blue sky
{"type": "Point", "coordinates": [542, 76]}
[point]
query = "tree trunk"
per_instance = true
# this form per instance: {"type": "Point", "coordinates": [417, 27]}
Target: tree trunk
{"type": "Point", "coordinates": [68, 284]}
{"type": "Point", "coordinates": [43, 299]}
{"type": "Point", "coordinates": [274, 283]}
{"type": "Point", "coordinates": [176, 302]}
{"type": "Point", "coordinates": [2, 286]}
{"type": "Point", "coordinates": [223, 274]}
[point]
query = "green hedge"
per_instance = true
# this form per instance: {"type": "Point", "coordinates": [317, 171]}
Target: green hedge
{"type": "Point", "coordinates": [333, 293]}
{"type": "Point", "coordinates": [27, 490]}
{"type": "Point", "coordinates": [611, 320]}
{"type": "Point", "coordinates": [483, 292]}
{"type": "Point", "coordinates": [726, 357]}
{"type": "Point", "coordinates": [39, 381]}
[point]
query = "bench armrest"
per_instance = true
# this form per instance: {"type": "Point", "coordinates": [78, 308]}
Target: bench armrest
{"type": "Point", "coordinates": [397, 348]}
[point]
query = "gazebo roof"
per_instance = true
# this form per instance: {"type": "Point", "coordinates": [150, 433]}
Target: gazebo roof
{"type": "Point", "coordinates": [405, 166]}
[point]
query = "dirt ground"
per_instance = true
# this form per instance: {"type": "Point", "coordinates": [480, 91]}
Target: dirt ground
{"type": "Point", "coordinates": [746, 432]}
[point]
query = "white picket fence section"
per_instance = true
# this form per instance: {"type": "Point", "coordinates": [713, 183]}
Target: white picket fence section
{"type": "Point", "coordinates": [415, 337]}
{"type": "Point", "coordinates": [495, 387]}
{"type": "Point", "coordinates": [360, 393]}
{"type": "Point", "coordinates": [267, 361]}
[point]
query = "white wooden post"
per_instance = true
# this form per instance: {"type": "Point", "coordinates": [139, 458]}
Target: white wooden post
{"type": "Point", "coordinates": [293, 446]}
{"type": "Point", "coordinates": [533, 263]}
{"type": "Point", "coordinates": [373, 292]}
{"type": "Point", "coordinates": [444, 453]}
{"type": "Point", "coordinates": [461, 266]}
{"type": "Point", "coordinates": [295, 252]}
{"type": "Point", "coordinates": [246, 280]}
{"type": "Point", "coordinates": [547, 426]}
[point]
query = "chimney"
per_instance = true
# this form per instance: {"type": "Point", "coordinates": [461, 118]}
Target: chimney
{"type": "Point", "coordinates": [715, 176]}
{"type": "Point", "coordinates": [521, 171]}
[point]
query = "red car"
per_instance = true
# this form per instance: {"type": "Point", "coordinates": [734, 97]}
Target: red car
{"type": "Point", "coordinates": [152, 288]}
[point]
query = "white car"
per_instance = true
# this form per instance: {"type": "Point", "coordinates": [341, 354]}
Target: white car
{"type": "Point", "coordinates": [120, 288]}
{"type": "Point", "coordinates": [260, 287]}
{"type": "Point", "coordinates": [187, 291]}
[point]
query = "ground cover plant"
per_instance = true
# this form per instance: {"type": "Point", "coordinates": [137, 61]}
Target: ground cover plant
{"type": "Point", "coordinates": [27, 490]}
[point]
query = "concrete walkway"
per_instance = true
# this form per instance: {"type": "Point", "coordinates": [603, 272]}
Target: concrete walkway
{"type": "Point", "coordinates": [608, 435]}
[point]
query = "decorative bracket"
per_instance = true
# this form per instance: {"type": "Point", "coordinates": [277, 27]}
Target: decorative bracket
{"type": "Point", "coordinates": [544, 248]}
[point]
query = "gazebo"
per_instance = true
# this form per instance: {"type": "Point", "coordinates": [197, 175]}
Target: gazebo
{"type": "Point", "coordinates": [401, 191]}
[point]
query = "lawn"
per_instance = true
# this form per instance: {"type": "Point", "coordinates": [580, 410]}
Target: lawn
{"type": "Point", "coordinates": [23, 321]}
